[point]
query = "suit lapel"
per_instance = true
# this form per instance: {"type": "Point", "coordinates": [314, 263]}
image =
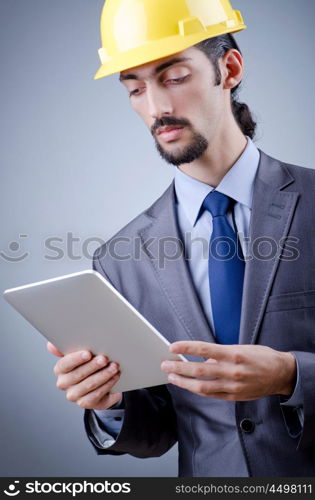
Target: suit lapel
{"type": "Point", "coordinates": [162, 244]}
{"type": "Point", "coordinates": [271, 217]}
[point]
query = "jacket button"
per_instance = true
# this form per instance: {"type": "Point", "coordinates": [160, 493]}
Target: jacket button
{"type": "Point", "coordinates": [247, 425]}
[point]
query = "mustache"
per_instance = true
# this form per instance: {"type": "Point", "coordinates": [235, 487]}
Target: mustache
{"type": "Point", "coordinates": [167, 121]}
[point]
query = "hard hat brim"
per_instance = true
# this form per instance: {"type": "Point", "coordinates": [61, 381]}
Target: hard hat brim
{"type": "Point", "coordinates": [161, 48]}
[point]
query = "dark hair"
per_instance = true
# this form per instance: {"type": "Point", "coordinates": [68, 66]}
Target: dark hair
{"type": "Point", "coordinates": [217, 47]}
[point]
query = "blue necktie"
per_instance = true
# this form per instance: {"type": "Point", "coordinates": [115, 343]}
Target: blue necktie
{"type": "Point", "coordinates": [226, 270]}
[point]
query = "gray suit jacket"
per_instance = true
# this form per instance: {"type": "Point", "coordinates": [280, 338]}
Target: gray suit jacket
{"type": "Point", "coordinates": [278, 310]}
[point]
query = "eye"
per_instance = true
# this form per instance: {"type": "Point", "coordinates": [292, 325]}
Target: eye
{"type": "Point", "coordinates": [176, 81]}
{"type": "Point", "coordinates": [134, 92]}
{"type": "Point", "coordinates": [172, 81]}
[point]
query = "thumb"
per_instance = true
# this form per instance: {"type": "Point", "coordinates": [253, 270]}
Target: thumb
{"type": "Point", "coordinates": [53, 350]}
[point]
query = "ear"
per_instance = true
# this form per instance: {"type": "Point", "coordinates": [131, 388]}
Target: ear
{"type": "Point", "coordinates": [232, 65]}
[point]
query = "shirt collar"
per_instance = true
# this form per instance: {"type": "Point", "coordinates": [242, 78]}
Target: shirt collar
{"type": "Point", "coordinates": [238, 183]}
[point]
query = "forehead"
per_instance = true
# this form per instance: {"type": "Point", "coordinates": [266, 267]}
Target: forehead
{"type": "Point", "coordinates": [148, 70]}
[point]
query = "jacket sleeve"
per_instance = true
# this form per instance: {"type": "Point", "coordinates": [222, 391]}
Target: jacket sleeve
{"type": "Point", "coordinates": [149, 424]}
{"type": "Point", "coordinates": [303, 405]}
{"type": "Point", "coordinates": [148, 428]}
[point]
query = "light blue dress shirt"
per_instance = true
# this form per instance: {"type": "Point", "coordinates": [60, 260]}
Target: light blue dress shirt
{"type": "Point", "coordinates": [237, 183]}
{"type": "Point", "coordinates": [196, 229]}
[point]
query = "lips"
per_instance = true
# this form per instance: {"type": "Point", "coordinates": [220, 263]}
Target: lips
{"type": "Point", "coordinates": [171, 133]}
{"type": "Point", "coordinates": [161, 130]}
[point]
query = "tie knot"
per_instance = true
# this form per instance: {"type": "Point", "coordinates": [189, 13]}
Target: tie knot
{"type": "Point", "coordinates": [217, 203]}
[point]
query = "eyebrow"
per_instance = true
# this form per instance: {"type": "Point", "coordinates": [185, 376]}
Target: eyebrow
{"type": "Point", "coordinates": [158, 69]}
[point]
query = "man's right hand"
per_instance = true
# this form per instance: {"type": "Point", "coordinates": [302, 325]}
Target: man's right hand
{"type": "Point", "coordinates": [87, 379]}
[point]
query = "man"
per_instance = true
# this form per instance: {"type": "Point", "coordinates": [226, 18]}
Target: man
{"type": "Point", "coordinates": [243, 312]}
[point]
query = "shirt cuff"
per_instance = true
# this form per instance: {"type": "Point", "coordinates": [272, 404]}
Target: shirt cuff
{"type": "Point", "coordinates": [105, 426]}
{"type": "Point", "coordinates": [296, 399]}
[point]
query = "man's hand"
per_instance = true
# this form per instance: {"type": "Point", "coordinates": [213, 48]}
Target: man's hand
{"type": "Point", "coordinates": [239, 372]}
{"type": "Point", "coordinates": [86, 379]}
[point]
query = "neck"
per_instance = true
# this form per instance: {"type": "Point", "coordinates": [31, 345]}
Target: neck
{"type": "Point", "coordinates": [223, 151]}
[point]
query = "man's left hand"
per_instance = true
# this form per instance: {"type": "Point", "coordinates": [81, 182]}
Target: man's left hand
{"type": "Point", "coordinates": [238, 372]}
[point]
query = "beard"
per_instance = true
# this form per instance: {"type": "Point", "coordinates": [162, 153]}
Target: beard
{"type": "Point", "coordinates": [185, 154]}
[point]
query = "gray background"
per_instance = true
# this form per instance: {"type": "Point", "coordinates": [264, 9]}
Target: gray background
{"type": "Point", "coordinates": [75, 160]}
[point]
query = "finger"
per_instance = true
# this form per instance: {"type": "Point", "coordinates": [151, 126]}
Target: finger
{"type": "Point", "coordinates": [92, 382]}
{"type": "Point", "coordinates": [226, 372]}
{"type": "Point", "coordinates": [53, 350]}
{"type": "Point", "coordinates": [71, 361]}
{"type": "Point", "coordinates": [204, 349]}
{"type": "Point", "coordinates": [95, 399]}
{"type": "Point", "coordinates": [202, 387]}
{"type": "Point", "coordinates": [195, 369]}
{"type": "Point", "coordinates": [211, 360]}
{"type": "Point", "coordinates": [77, 375]}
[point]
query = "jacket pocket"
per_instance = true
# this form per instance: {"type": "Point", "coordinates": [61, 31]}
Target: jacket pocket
{"type": "Point", "coordinates": [292, 300]}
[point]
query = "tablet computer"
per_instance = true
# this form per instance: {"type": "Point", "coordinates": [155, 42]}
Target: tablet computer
{"type": "Point", "coordinates": [84, 311]}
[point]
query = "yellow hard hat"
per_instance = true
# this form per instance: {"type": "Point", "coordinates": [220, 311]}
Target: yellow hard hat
{"type": "Point", "coordinates": [136, 32]}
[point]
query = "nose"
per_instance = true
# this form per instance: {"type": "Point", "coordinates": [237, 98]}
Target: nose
{"type": "Point", "coordinates": [159, 103]}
